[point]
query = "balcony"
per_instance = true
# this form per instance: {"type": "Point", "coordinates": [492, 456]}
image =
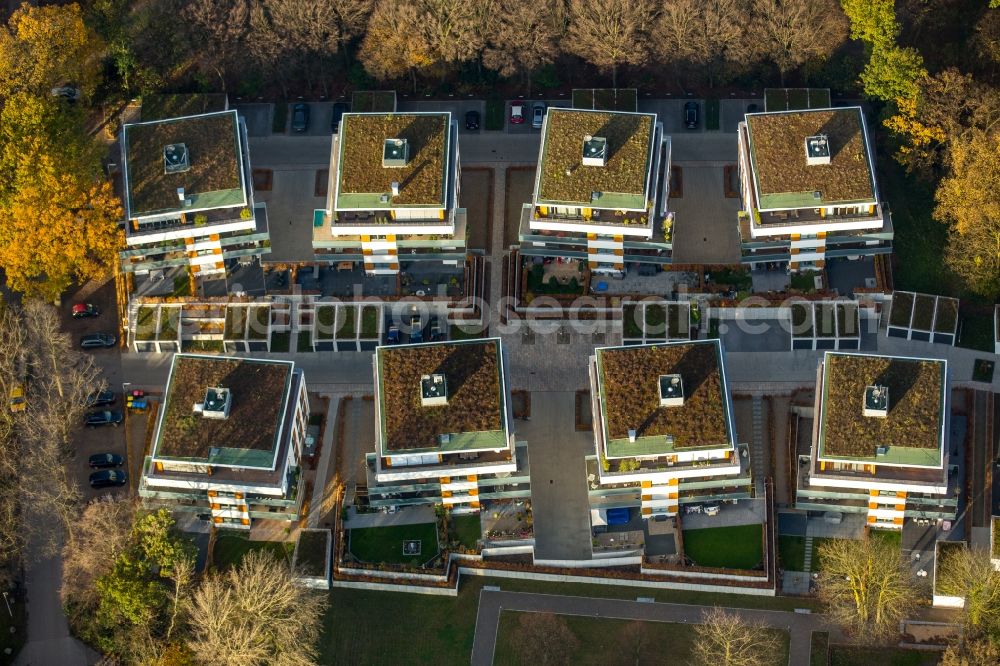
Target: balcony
{"type": "Point", "coordinates": [597, 216]}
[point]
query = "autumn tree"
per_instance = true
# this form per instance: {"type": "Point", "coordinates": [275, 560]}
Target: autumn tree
{"type": "Point", "coordinates": [610, 33]}
{"type": "Point", "coordinates": [394, 44]}
{"type": "Point", "coordinates": [724, 638]}
{"type": "Point", "coordinates": [51, 190]}
{"type": "Point", "coordinates": [352, 17]}
{"type": "Point", "coordinates": [308, 31]}
{"type": "Point", "coordinates": [708, 35]}
{"type": "Point", "coordinates": [42, 47]}
{"type": "Point", "coordinates": [790, 32]}
{"type": "Point", "coordinates": [93, 542]}
{"type": "Point", "coordinates": [522, 39]}
{"type": "Point", "coordinates": [866, 585]}
{"type": "Point", "coordinates": [872, 21]}
{"type": "Point", "coordinates": [450, 32]}
{"type": "Point", "coordinates": [220, 27]}
{"type": "Point", "coordinates": [255, 615]}
{"type": "Point", "coordinates": [893, 72]}
{"type": "Point", "coordinates": [545, 638]}
{"type": "Point", "coordinates": [968, 573]}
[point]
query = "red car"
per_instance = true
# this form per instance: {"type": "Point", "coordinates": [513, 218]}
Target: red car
{"type": "Point", "coordinates": [516, 113]}
{"type": "Point", "coordinates": [81, 310]}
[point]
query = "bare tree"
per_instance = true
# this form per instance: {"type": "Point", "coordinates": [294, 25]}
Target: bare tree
{"type": "Point", "coordinates": [254, 615]}
{"type": "Point", "coordinates": [609, 33]}
{"type": "Point", "coordinates": [308, 29]}
{"type": "Point", "coordinates": [978, 651]}
{"type": "Point", "coordinates": [705, 33]}
{"type": "Point", "coordinates": [867, 586]}
{"type": "Point", "coordinates": [522, 39]}
{"type": "Point", "coordinates": [394, 44]}
{"type": "Point", "coordinates": [789, 32]}
{"type": "Point", "coordinates": [221, 27]}
{"type": "Point", "coordinates": [450, 31]}
{"type": "Point", "coordinates": [545, 638]}
{"type": "Point", "coordinates": [726, 639]}
{"type": "Point", "coordinates": [352, 17]}
{"type": "Point", "coordinates": [93, 541]}
{"type": "Point", "coordinates": [968, 573]}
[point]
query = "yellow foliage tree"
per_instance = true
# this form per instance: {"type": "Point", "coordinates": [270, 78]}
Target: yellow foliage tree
{"type": "Point", "coordinates": [60, 219]}
{"type": "Point", "coordinates": [969, 196]}
{"type": "Point", "coordinates": [394, 42]}
{"type": "Point", "coordinates": [42, 47]}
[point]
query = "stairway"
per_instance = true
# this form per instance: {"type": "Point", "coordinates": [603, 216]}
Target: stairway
{"type": "Point", "coordinates": [757, 457]}
{"type": "Point", "coordinates": [807, 560]}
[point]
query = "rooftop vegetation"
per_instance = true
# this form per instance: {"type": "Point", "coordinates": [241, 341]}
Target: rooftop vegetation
{"type": "Point", "coordinates": [472, 372]}
{"type": "Point", "coordinates": [914, 420]}
{"type": "Point", "coordinates": [629, 151]}
{"type": "Point", "coordinates": [630, 388]}
{"type": "Point", "coordinates": [902, 309]}
{"type": "Point", "coordinates": [778, 142]}
{"type": "Point", "coordinates": [421, 181]}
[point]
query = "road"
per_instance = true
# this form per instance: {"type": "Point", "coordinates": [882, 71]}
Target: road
{"type": "Point", "coordinates": [798, 625]}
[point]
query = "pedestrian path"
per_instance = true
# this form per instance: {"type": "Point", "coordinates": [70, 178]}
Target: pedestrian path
{"type": "Point", "coordinates": [808, 560]}
{"type": "Point", "coordinates": [758, 455]}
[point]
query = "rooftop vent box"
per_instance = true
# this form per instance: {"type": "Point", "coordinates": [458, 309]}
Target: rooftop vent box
{"type": "Point", "coordinates": [395, 153]}
{"type": "Point", "coordinates": [595, 151]}
{"type": "Point", "coordinates": [817, 150]}
{"type": "Point", "coordinates": [216, 405]}
{"type": "Point", "coordinates": [881, 450]}
{"type": "Point", "coordinates": [876, 401]}
{"type": "Point", "coordinates": [175, 158]}
{"type": "Point", "coordinates": [433, 390]}
{"type": "Point", "coordinates": [594, 196]}
{"type": "Point", "coordinates": [671, 391]}
{"type": "Point", "coordinates": [632, 435]}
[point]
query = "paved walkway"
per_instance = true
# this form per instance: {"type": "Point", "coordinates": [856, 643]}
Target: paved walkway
{"type": "Point", "coordinates": [413, 515]}
{"type": "Point", "coordinates": [317, 505]}
{"type": "Point", "coordinates": [798, 625]}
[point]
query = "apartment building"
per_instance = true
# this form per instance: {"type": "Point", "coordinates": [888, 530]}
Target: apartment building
{"type": "Point", "coordinates": [393, 193]}
{"type": "Point", "coordinates": [600, 191]}
{"type": "Point", "coordinates": [879, 444]}
{"type": "Point", "coordinates": [444, 428]}
{"type": "Point", "coordinates": [663, 428]}
{"type": "Point", "coordinates": [808, 188]}
{"type": "Point", "coordinates": [188, 195]}
{"type": "Point", "coordinates": [229, 440]}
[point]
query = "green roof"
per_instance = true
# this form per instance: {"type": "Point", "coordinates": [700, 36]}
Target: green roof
{"type": "Point", "coordinates": [475, 415]}
{"type": "Point", "coordinates": [782, 177]}
{"type": "Point", "coordinates": [215, 176]}
{"type": "Point", "coordinates": [912, 432]}
{"type": "Point", "coordinates": [249, 437]}
{"type": "Point", "coordinates": [363, 180]}
{"type": "Point", "coordinates": [629, 382]}
{"type": "Point", "coordinates": [622, 183]}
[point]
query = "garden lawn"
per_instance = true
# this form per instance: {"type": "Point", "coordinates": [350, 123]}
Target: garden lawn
{"type": "Point", "coordinates": [385, 544]}
{"type": "Point", "coordinates": [739, 547]}
{"type": "Point", "coordinates": [468, 529]}
{"type": "Point", "coordinates": [603, 641]}
{"type": "Point", "coordinates": [229, 549]}
{"type": "Point", "coordinates": [819, 644]}
{"type": "Point", "coordinates": [434, 630]}
{"type": "Point", "coordinates": [792, 552]}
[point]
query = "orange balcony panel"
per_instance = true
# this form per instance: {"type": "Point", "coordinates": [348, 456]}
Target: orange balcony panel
{"type": "Point", "coordinates": [472, 478]}
{"type": "Point", "coordinates": [647, 484]}
{"type": "Point", "coordinates": [388, 462]}
{"type": "Point", "coordinates": [619, 253]}
{"type": "Point", "coordinates": [216, 507]}
{"type": "Point", "coordinates": [591, 236]}
{"type": "Point", "coordinates": [871, 519]}
{"type": "Point", "coordinates": [445, 479]}
{"type": "Point", "coordinates": [369, 266]}
{"type": "Point", "coordinates": [366, 252]}
{"type": "Point", "coordinates": [673, 482]}
{"type": "Point", "coordinates": [901, 507]}
{"type": "Point", "coordinates": [901, 494]}
{"type": "Point", "coordinates": [245, 521]}
{"type": "Point", "coordinates": [672, 496]}
{"type": "Point", "coordinates": [474, 504]}
{"type": "Point", "coordinates": [647, 511]}
{"type": "Point", "coordinates": [365, 238]}
{"type": "Point", "coordinates": [591, 264]}
{"type": "Point", "coordinates": [873, 493]}
{"type": "Point", "coordinates": [216, 250]}
{"type": "Point", "coordinates": [445, 493]}
{"type": "Point", "coordinates": [213, 237]}
{"type": "Point", "coordinates": [796, 237]}
{"type": "Point", "coordinates": [212, 493]}
{"type": "Point", "coordinates": [619, 239]}
{"type": "Point", "coordinates": [647, 498]}
{"type": "Point", "coordinates": [872, 505]}
{"type": "Point", "coordinates": [473, 492]}
{"type": "Point", "coordinates": [217, 520]}
{"type": "Point", "coordinates": [897, 521]}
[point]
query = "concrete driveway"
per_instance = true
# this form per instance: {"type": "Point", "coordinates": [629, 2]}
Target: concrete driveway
{"type": "Point", "coordinates": [705, 221]}
{"type": "Point", "coordinates": [457, 107]}
{"type": "Point", "coordinates": [257, 117]}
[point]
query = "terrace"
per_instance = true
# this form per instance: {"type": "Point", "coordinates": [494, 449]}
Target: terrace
{"type": "Point", "coordinates": [911, 433]}
{"type": "Point", "coordinates": [634, 420]}
{"type": "Point", "coordinates": [213, 177]}
{"type": "Point", "coordinates": [247, 436]}
{"type": "Point", "coordinates": [471, 418]}
{"type": "Point", "coordinates": [622, 183]}
{"type": "Point", "coordinates": [782, 176]}
{"type": "Point", "coordinates": [420, 171]}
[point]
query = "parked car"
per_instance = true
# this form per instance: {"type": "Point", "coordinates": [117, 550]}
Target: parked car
{"type": "Point", "coordinates": [103, 417]}
{"type": "Point", "coordinates": [435, 331]}
{"type": "Point", "coordinates": [691, 115]}
{"type": "Point", "coordinates": [97, 340]}
{"type": "Point", "coordinates": [416, 330]}
{"type": "Point", "coordinates": [108, 478]}
{"type": "Point", "coordinates": [101, 398]}
{"type": "Point", "coordinates": [69, 93]}
{"type": "Point", "coordinates": [339, 109]}
{"type": "Point", "coordinates": [471, 120]}
{"type": "Point", "coordinates": [537, 115]}
{"type": "Point", "coordinates": [105, 460]}
{"type": "Point", "coordinates": [516, 113]}
{"type": "Point", "coordinates": [84, 310]}
{"type": "Point", "coordinates": [752, 108]}
{"type": "Point", "coordinates": [392, 337]}
{"type": "Point", "coordinates": [300, 117]}
{"type": "Point", "coordinates": [18, 403]}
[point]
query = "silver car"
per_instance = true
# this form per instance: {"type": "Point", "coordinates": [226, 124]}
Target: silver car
{"type": "Point", "coordinates": [537, 115]}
